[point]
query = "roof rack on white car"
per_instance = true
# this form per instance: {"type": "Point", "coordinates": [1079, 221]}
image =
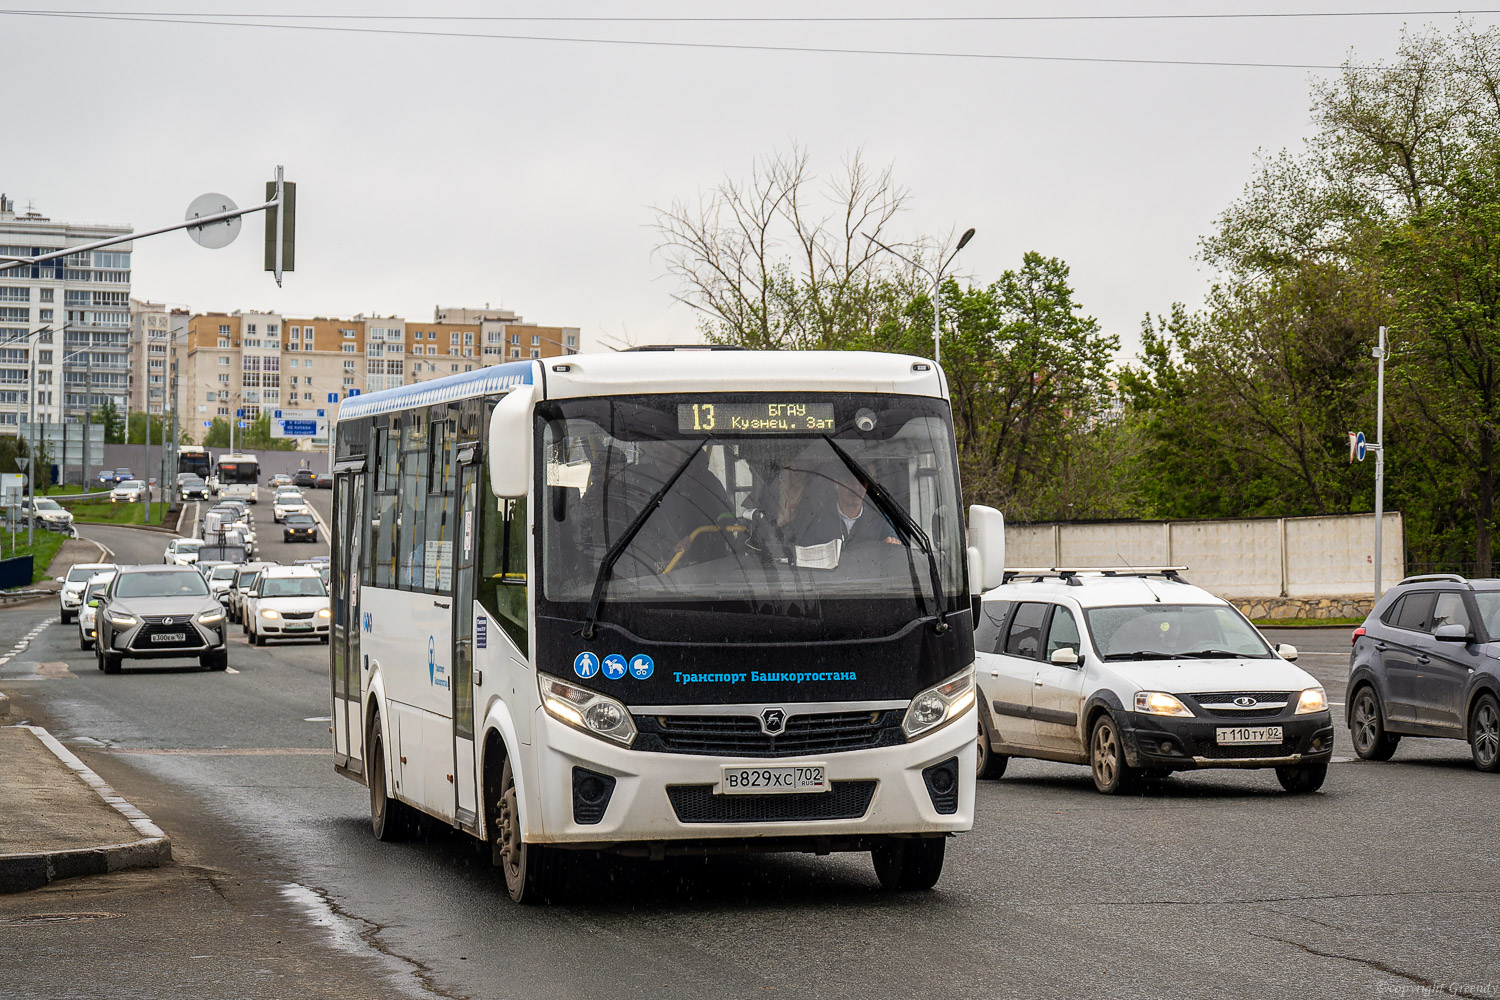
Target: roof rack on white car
{"type": "Point", "coordinates": [1071, 574]}
{"type": "Point", "coordinates": [1435, 578]}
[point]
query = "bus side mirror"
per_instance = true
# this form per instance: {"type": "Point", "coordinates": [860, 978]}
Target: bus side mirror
{"type": "Point", "coordinates": [508, 450]}
{"type": "Point", "coordinates": [986, 548]}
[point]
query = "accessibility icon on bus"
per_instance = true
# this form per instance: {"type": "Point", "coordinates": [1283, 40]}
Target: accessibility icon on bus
{"type": "Point", "coordinates": [641, 666]}
{"type": "Point", "coordinates": [614, 666]}
{"type": "Point", "coordinates": [586, 665]}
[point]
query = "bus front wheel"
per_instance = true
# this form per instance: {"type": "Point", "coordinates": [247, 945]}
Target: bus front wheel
{"type": "Point", "coordinates": [390, 818]}
{"type": "Point", "coordinates": [533, 872]}
{"type": "Point", "coordinates": [909, 863]}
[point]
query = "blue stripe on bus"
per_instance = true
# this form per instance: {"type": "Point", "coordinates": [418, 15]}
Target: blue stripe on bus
{"type": "Point", "coordinates": [480, 382]}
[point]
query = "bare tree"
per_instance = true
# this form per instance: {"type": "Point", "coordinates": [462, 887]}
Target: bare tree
{"type": "Point", "coordinates": [782, 261]}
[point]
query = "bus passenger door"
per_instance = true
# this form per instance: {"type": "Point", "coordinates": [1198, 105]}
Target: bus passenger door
{"type": "Point", "coordinates": [466, 551]}
{"type": "Point", "coordinates": [348, 539]}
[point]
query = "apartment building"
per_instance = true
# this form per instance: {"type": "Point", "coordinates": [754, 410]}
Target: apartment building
{"type": "Point", "coordinates": [255, 362]}
{"type": "Point", "coordinates": [73, 312]}
{"type": "Point", "coordinates": [150, 360]}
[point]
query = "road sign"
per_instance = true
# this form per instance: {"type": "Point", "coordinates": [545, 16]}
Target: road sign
{"type": "Point", "coordinates": [243, 424]}
{"type": "Point", "coordinates": [296, 428]}
{"type": "Point", "coordinates": [1359, 446]}
{"type": "Point", "coordinates": [333, 397]}
{"type": "Point", "coordinates": [354, 392]}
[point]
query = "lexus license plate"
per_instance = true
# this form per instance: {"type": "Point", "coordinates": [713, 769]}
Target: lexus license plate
{"type": "Point", "coordinates": [169, 637]}
{"type": "Point", "coordinates": [739, 780]}
{"type": "Point", "coordinates": [1249, 734]}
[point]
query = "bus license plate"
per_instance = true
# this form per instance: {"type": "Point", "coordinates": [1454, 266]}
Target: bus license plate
{"type": "Point", "coordinates": [169, 637]}
{"type": "Point", "coordinates": [739, 780]}
{"type": "Point", "coordinates": [1249, 734]}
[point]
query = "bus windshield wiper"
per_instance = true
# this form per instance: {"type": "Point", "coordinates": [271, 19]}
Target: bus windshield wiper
{"type": "Point", "coordinates": [904, 523]}
{"type": "Point", "coordinates": [618, 548]}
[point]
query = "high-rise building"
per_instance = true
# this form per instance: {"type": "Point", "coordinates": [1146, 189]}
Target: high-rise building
{"type": "Point", "coordinates": [150, 368]}
{"type": "Point", "coordinates": [73, 311]}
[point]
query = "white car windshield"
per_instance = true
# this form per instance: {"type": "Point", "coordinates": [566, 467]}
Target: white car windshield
{"type": "Point", "coordinates": [45, 504]}
{"type": "Point", "coordinates": [223, 573]}
{"type": "Point", "coordinates": [292, 586]}
{"type": "Point", "coordinates": [132, 484]}
{"type": "Point", "coordinates": [1173, 631]}
{"type": "Point", "coordinates": [80, 573]}
{"type": "Point", "coordinates": [189, 545]}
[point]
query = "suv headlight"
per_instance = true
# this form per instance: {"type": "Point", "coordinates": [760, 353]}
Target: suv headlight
{"type": "Point", "coordinates": [596, 714]}
{"type": "Point", "coordinates": [1160, 703]}
{"type": "Point", "coordinates": [211, 617]}
{"type": "Point", "coordinates": [1312, 700]}
{"type": "Point", "coordinates": [939, 705]}
{"type": "Point", "coordinates": [121, 619]}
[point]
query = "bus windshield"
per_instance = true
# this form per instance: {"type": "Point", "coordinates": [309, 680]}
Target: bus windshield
{"type": "Point", "coordinates": [239, 471]}
{"type": "Point", "coordinates": [194, 460]}
{"type": "Point", "coordinates": [764, 516]}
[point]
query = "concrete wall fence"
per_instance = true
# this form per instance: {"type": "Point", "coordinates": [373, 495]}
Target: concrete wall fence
{"type": "Point", "coordinates": [1287, 560]}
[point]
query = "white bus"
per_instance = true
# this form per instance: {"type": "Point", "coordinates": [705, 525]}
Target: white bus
{"type": "Point", "coordinates": [236, 477]}
{"type": "Point", "coordinates": [661, 604]}
{"type": "Point", "coordinates": [195, 459]}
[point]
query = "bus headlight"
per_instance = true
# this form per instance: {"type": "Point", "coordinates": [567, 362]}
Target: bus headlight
{"type": "Point", "coordinates": [939, 705]}
{"type": "Point", "coordinates": [592, 713]}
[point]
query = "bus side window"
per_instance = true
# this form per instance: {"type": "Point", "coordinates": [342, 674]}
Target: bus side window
{"type": "Point", "coordinates": [502, 567]}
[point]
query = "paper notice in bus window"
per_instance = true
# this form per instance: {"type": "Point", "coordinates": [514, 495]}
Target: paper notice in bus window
{"type": "Point", "coordinates": [825, 556]}
{"type": "Point", "coordinates": [437, 573]}
{"type": "Point", "coordinates": [574, 474]}
{"type": "Point", "coordinates": [468, 532]}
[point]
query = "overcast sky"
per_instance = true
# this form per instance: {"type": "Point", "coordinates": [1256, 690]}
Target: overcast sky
{"type": "Point", "coordinates": [520, 173]}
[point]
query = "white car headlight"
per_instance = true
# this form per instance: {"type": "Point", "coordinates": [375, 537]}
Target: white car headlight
{"type": "Point", "coordinates": [587, 711]}
{"type": "Point", "coordinates": [1312, 700]}
{"type": "Point", "coordinates": [211, 617]}
{"type": "Point", "coordinates": [269, 613]}
{"type": "Point", "coordinates": [324, 613]}
{"type": "Point", "coordinates": [121, 620]}
{"type": "Point", "coordinates": [939, 705]}
{"type": "Point", "coordinates": [1160, 703]}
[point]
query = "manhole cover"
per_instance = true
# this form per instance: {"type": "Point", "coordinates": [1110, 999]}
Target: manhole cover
{"type": "Point", "coordinates": [32, 919]}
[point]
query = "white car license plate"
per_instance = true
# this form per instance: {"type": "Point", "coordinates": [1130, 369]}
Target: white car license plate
{"type": "Point", "coordinates": [740, 780]}
{"type": "Point", "coordinates": [1249, 734]}
{"type": "Point", "coordinates": [169, 637]}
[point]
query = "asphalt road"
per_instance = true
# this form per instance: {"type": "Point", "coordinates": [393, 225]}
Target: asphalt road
{"type": "Point", "coordinates": [1384, 884]}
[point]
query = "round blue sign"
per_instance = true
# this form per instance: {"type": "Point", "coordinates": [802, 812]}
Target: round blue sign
{"type": "Point", "coordinates": [641, 666]}
{"type": "Point", "coordinates": [585, 665]}
{"type": "Point", "coordinates": [614, 666]}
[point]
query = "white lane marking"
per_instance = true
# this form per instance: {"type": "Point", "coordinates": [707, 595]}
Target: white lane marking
{"type": "Point", "coordinates": [20, 647]}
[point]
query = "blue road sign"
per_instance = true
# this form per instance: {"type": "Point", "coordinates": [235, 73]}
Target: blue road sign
{"type": "Point", "coordinates": [354, 392]}
{"type": "Point", "coordinates": [299, 428]}
{"type": "Point", "coordinates": [333, 397]}
{"type": "Point", "coordinates": [276, 415]}
{"type": "Point", "coordinates": [1359, 446]}
{"type": "Point", "coordinates": [243, 425]}
{"type": "Point", "coordinates": [239, 413]}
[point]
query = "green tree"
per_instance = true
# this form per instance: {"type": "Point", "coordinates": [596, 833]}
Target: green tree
{"type": "Point", "coordinates": [140, 424]}
{"type": "Point", "coordinates": [217, 435]}
{"type": "Point", "coordinates": [114, 423]}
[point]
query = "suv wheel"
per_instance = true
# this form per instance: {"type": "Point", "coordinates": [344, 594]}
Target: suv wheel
{"type": "Point", "coordinates": [1107, 758]}
{"type": "Point", "coordinates": [112, 662]}
{"type": "Point", "coordinates": [991, 764]}
{"type": "Point", "coordinates": [1367, 727]}
{"type": "Point", "coordinates": [1484, 733]}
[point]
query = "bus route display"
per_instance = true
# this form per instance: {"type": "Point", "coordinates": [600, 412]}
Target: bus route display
{"type": "Point", "coordinates": [759, 417]}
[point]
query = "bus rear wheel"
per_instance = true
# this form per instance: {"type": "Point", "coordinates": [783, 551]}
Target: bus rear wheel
{"type": "Point", "coordinates": [533, 872]}
{"type": "Point", "coordinates": [905, 863]}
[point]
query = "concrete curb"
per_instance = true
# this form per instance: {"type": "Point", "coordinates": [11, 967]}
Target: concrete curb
{"type": "Point", "coordinates": [22, 872]}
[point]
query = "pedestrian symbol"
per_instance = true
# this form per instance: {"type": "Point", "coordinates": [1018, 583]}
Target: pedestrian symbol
{"type": "Point", "coordinates": [586, 665]}
{"type": "Point", "coordinates": [614, 666]}
{"type": "Point", "coordinates": [641, 666]}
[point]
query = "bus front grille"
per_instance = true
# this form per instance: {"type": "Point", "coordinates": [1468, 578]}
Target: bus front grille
{"type": "Point", "coordinates": [699, 804]}
{"type": "Point", "coordinates": [741, 735]}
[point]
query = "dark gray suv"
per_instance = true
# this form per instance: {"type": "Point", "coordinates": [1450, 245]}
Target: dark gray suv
{"type": "Point", "coordinates": [150, 612]}
{"type": "Point", "coordinates": [1426, 662]}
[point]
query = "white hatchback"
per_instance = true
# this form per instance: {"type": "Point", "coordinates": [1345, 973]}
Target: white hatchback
{"type": "Point", "coordinates": [288, 502]}
{"type": "Point", "coordinates": [1137, 674]}
{"type": "Point", "coordinates": [287, 602]}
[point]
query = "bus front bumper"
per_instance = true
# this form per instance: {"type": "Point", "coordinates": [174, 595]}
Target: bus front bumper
{"type": "Point", "coordinates": [921, 788]}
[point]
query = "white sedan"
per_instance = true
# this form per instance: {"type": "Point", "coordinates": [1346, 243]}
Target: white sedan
{"type": "Point", "coordinates": [181, 552]}
{"type": "Point", "coordinates": [287, 602]}
{"type": "Point", "coordinates": [288, 502]}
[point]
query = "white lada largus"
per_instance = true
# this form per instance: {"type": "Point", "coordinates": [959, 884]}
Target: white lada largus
{"type": "Point", "coordinates": [1137, 674]}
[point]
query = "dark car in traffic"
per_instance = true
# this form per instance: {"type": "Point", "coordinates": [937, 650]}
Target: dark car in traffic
{"type": "Point", "coordinates": [304, 477]}
{"type": "Point", "coordinates": [325, 482]}
{"type": "Point", "coordinates": [192, 488]}
{"type": "Point", "coordinates": [156, 612]}
{"type": "Point", "coordinates": [1426, 663]}
{"type": "Point", "coordinates": [299, 528]}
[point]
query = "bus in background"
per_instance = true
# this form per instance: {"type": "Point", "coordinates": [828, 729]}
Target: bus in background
{"type": "Point", "coordinates": [194, 458]}
{"type": "Point", "coordinates": [661, 605]}
{"type": "Point", "coordinates": [235, 477]}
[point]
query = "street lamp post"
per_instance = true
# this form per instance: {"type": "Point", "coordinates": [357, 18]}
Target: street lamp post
{"type": "Point", "coordinates": [937, 285]}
